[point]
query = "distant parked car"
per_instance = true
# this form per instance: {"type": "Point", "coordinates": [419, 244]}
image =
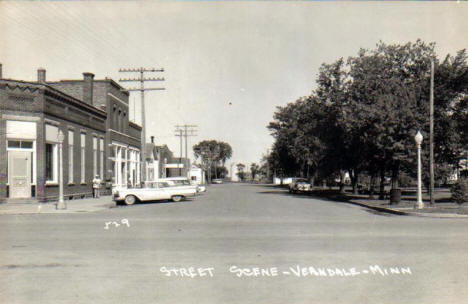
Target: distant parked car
{"type": "Point", "coordinates": [217, 181]}
{"type": "Point", "coordinates": [154, 191]}
{"type": "Point", "coordinates": [299, 185]}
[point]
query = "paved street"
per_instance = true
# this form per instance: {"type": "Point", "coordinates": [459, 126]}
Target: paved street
{"type": "Point", "coordinates": [72, 258]}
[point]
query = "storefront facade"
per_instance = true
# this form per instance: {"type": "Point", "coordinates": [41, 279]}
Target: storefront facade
{"type": "Point", "coordinates": [122, 138]}
{"type": "Point", "coordinates": [32, 116]}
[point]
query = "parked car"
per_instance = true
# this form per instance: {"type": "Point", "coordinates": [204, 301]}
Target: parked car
{"type": "Point", "coordinates": [299, 185]}
{"type": "Point", "coordinates": [153, 191]}
{"type": "Point", "coordinates": [217, 181]}
{"type": "Point", "coordinates": [201, 188]}
{"type": "Point", "coordinates": [182, 181]}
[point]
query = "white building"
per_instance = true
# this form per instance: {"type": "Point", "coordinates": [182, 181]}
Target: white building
{"type": "Point", "coordinates": [197, 175]}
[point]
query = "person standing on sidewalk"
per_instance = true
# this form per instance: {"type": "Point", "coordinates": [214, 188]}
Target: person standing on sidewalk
{"type": "Point", "coordinates": [96, 187]}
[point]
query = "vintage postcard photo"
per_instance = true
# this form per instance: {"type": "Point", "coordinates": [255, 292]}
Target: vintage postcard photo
{"type": "Point", "coordinates": [244, 152]}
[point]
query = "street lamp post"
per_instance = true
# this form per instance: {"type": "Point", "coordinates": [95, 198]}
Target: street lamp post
{"type": "Point", "coordinates": [61, 203]}
{"type": "Point", "coordinates": [418, 139]}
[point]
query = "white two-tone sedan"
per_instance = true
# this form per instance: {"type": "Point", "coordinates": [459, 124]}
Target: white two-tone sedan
{"type": "Point", "coordinates": [154, 191]}
{"type": "Point", "coordinates": [183, 181]}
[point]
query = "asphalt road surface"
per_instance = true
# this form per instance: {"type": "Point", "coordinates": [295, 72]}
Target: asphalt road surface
{"type": "Point", "coordinates": [245, 244]}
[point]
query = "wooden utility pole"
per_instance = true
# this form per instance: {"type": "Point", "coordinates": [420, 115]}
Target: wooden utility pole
{"type": "Point", "coordinates": [431, 136]}
{"type": "Point", "coordinates": [142, 90]}
{"type": "Point", "coordinates": [186, 131]}
{"type": "Point", "coordinates": [179, 134]}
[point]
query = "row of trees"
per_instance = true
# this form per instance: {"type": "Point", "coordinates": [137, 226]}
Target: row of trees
{"type": "Point", "coordinates": [256, 171]}
{"type": "Point", "coordinates": [365, 111]}
{"type": "Point", "coordinates": [213, 155]}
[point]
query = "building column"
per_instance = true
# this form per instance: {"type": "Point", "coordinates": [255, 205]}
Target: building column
{"type": "Point", "coordinates": [40, 160]}
{"type": "Point", "coordinates": [125, 181]}
{"type": "Point", "coordinates": [156, 169]}
{"type": "Point", "coordinates": [118, 170]}
{"type": "Point", "coordinates": [138, 167]}
{"type": "Point", "coordinates": [3, 160]}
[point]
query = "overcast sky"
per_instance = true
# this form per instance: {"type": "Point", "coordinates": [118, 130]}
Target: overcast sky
{"type": "Point", "coordinates": [256, 55]}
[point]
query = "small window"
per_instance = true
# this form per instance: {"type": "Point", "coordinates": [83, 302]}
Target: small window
{"type": "Point", "coordinates": [26, 144]}
{"type": "Point", "coordinates": [14, 144]}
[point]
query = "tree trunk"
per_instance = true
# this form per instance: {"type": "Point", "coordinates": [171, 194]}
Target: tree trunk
{"type": "Point", "coordinates": [354, 180]}
{"type": "Point", "coordinates": [395, 174]}
{"type": "Point", "coordinates": [382, 184]}
{"type": "Point", "coordinates": [342, 182]}
{"type": "Point", "coordinates": [312, 179]}
{"type": "Point", "coordinates": [209, 175]}
{"type": "Point", "coordinates": [372, 185]}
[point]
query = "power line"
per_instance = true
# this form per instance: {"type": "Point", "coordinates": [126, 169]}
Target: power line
{"type": "Point", "coordinates": [185, 131]}
{"type": "Point", "coordinates": [142, 79]}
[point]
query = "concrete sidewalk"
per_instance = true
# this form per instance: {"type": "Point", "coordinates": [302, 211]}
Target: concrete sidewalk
{"type": "Point", "coordinates": [406, 211]}
{"type": "Point", "coordinates": [378, 205]}
{"type": "Point", "coordinates": [73, 206]}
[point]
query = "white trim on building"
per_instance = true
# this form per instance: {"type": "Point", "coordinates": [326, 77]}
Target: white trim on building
{"type": "Point", "coordinates": [126, 164]}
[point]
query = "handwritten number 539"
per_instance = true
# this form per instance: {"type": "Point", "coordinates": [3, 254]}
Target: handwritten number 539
{"type": "Point", "coordinates": [116, 224]}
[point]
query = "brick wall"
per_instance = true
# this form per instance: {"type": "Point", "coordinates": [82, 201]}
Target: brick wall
{"type": "Point", "coordinates": [72, 88]}
{"type": "Point", "coordinates": [77, 188]}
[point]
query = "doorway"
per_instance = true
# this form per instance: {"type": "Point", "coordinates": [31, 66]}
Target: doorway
{"type": "Point", "coordinates": [19, 172]}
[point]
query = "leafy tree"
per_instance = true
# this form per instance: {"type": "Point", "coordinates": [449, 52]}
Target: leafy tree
{"type": "Point", "coordinates": [254, 170]}
{"type": "Point", "coordinates": [240, 171]}
{"type": "Point", "coordinates": [365, 112]}
{"type": "Point", "coordinates": [460, 191]}
{"type": "Point", "coordinates": [212, 153]}
{"type": "Point", "coordinates": [219, 171]}
{"type": "Point", "coordinates": [225, 152]}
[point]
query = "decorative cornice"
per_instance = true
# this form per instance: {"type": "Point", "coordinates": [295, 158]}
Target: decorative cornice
{"type": "Point", "coordinates": [51, 91]}
{"type": "Point", "coordinates": [123, 134]}
{"type": "Point", "coordinates": [21, 118]}
{"type": "Point", "coordinates": [118, 99]}
{"type": "Point", "coordinates": [134, 125]}
{"type": "Point", "coordinates": [23, 88]}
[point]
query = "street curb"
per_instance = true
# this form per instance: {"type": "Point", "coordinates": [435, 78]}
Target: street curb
{"type": "Point", "coordinates": [396, 211]}
{"type": "Point", "coordinates": [55, 211]}
{"type": "Point", "coordinates": [380, 209]}
{"type": "Point", "coordinates": [409, 213]}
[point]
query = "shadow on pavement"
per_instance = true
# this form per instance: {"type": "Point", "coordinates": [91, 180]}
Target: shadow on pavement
{"type": "Point", "coordinates": [329, 195]}
{"type": "Point", "coordinates": [139, 203]}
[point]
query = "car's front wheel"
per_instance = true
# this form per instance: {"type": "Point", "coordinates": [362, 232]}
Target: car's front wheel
{"type": "Point", "coordinates": [177, 198]}
{"type": "Point", "coordinates": [130, 200]}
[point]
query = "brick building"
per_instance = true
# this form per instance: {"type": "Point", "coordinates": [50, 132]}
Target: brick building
{"type": "Point", "coordinates": [98, 137]}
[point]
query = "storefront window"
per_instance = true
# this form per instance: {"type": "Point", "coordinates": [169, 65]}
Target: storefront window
{"type": "Point", "coordinates": [51, 162]}
{"type": "Point", "coordinates": [20, 144]}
